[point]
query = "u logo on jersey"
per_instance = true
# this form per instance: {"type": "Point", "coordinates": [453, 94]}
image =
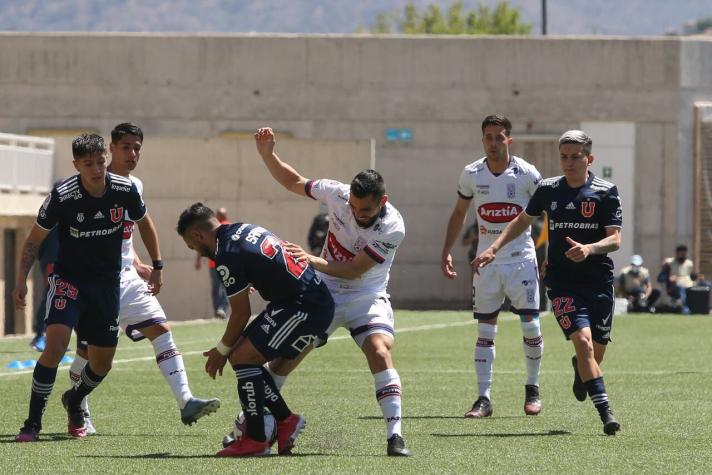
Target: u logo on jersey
{"type": "Point", "coordinates": [117, 214]}
{"type": "Point", "coordinates": [587, 208]}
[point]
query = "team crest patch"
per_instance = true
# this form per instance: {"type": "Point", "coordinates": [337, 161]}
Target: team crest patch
{"type": "Point", "coordinates": [511, 190]}
{"type": "Point", "coordinates": [587, 208]}
{"type": "Point", "coordinates": [80, 217]}
{"type": "Point", "coordinates": [553, 206]}
{"type": "Point", "coordinates": [117, 214]}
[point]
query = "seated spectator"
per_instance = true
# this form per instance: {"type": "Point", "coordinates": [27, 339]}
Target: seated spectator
{"type": "Point", "coordinates": [634, 284]}
{"type": "Point", "coordinates": [676, 275]}
{"type": "Point", "coordinates": [317, 233]}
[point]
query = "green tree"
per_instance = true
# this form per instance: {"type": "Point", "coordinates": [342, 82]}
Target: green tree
{"type": "Point", "coordinates": [502, 20]}
{"type": "Point", "coordinates": [703, 26]}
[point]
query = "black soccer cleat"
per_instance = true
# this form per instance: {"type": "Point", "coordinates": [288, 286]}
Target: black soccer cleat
{"type": "Point", "coordinates": [578, 387]}
{"type": "Point", "coordinates": [396, 447]}
{"type": "Point", "coordinates": [610, 424]}
{"type": "Point", "coordinates": [481, 408]}
{"type": "Point", "coordinates": [532, 403]}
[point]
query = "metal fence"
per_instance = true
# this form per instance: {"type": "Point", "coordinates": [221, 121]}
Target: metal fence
{"type": "Point", "coordinates": [26, 163]}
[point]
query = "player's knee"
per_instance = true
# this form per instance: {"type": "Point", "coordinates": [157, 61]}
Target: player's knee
{"type": "Point", "coordinates": [53, 352]}
{"type": "Point", "coordinates": [528, 317]}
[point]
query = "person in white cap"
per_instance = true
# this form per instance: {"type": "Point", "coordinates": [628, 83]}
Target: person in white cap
{"type": "Point", "coordinates": [634, 284]}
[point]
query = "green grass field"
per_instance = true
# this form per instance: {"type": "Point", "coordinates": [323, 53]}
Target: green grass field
{"type": "Point", "coordinates": [657, 374]}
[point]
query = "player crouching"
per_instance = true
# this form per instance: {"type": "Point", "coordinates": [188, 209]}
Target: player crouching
{"type": "Point", "coordinates": [299, 312]}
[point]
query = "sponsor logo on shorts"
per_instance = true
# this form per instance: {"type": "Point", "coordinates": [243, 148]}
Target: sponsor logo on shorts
{"type": "Point", "coordinates": [564, 322]}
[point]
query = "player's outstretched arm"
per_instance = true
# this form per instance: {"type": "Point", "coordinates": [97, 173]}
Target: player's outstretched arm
{"type": "Point", "coordinates": [579, 252]}
{"type": "Point", "coordinates": [149, 236]}
{"type": "Point", "coordinates": [29, 253]}
{"type": "Point", "coordinates": [218, 355]}
{"type": "Point", "coordinates": [283, 172]}
{"type": "Point", "coordinates": [454, 227]}
{"type": "Point", "coordinates": [513, 229]}
{"type": "Point", "coordinates": [353, 269]}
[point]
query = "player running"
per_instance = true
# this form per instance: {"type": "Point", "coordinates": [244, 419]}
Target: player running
{"type": "Point", "coordinates": [88, 210]}
{"type": "Point", "coordinates": [365, 231]}
{"type": "Point", "coordinates": [140, 314]}
{"type": "Point", "coordinates": [500, 186]}
{"type": "Point", "coordinates": [299, 311]}
{"type": "Point", "coordinates": [585, 219]}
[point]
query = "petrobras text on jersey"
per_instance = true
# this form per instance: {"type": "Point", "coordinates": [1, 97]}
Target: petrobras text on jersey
{"type": "Point", "coordinates": [553, 226]}
{"type": "Point", "coordinates": [75, 233]}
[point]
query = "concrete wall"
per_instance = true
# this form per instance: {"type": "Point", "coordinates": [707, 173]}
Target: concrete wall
{"type": "Point", "coordinates": [353, 87]}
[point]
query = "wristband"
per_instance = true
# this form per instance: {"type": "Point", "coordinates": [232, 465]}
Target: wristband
{"type": "Point", "coordinates": [158, 264]}
{"type": "Point", "coordinates": [222, 348]}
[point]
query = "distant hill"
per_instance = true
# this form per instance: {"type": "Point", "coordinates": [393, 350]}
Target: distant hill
{"type": "Point", "coordinates": [566, 17]}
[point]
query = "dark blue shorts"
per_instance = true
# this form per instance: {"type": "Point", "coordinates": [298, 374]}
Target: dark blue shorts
{"type": "Point", "coordinates": [285, 329]}
{"type": "Point", "coordinates": [90, 307]}
{"type": "Point", "coordinates": [576, 309]}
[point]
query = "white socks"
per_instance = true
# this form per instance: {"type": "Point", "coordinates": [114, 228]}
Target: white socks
{"type": "Point", "coordinates": [170, 362]}
{"type": "Point", "coordinates": [533, 349]}
{"type": "Point", "coordinates": [484, 357]}
{"type": "Point", "coordinates": [278, 380]}
{"type": "Point", "coordinates": [388, 395]}
{"type": "Point", "coordinates": [75, 374]}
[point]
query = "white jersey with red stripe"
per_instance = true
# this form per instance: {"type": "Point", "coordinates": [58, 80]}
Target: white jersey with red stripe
{"type": "Point", "coordinates": [498, 199]}
{"type": "Point", "coordinates": [346, 238]}
{"type": "Point", "coordinates": [127, 254]}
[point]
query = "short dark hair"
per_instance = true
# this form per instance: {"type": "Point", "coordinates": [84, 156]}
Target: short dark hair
{"type": "Point", "coordinates": [197, 214]}
{"type": "Point", "coordinates": [498, 119]}
{"type": "Point", "coordinates": [681, 247]}
{"type": "Point", "coordinates": [126, 128]}
{"type": "Point", "coordinates": [368, 183]}
{"type": "Point", "coordinates": [88, 145]}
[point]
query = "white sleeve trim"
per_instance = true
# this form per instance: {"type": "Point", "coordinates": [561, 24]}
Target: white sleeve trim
{"type": "Point", "coordinates": [241, 290]}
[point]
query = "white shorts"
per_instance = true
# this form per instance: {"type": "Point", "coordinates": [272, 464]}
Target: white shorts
{"type": "Point", "coordinates": [137, 307]}
{"type": "Point", "coordinates": [363, 315]}
{"type": "Point", "coordinates": [519, 281]}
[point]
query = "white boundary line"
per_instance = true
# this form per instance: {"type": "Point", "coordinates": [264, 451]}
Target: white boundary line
{"type": "Point", "coordinates": [436, 326]}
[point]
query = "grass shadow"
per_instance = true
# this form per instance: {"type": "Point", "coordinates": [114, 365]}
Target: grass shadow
{"type": "Point", "coordinates": [507, 434]}
{"type": "Point", "coordinates": [44, 437]}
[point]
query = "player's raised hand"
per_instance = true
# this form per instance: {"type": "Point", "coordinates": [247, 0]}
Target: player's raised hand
{"type": "Point", "coordinates": [19, 294]}
{"type": "Point", "coordinates": [155, 281]}
{"type": "Point", "coordinates": [264, 139]}
{"type": "Point", "coordinates": [447, 267]}
{"type": "Point", "coordinates": [578, 252]}
{"type": "Point", "coordinates": [482, 260]}
{"type": "Point", "coordinates": [216, 362]}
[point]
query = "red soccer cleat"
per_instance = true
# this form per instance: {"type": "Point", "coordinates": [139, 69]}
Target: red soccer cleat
{"type": "Point", "coordinates": [245, 446]}
{"type": "Point", "coordinates": [76, 425]}
{"type": "Point", "coordinates": [287, 432]}
{"type": "Point", "coordinates": [30, 432]}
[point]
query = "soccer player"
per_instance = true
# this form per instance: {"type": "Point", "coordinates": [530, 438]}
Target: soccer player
{"type": "Point", "coordinates": [364, 232]}
{"type": "Point", "coordinates": [299, 311]}
{"type": "Point", "coordinates": [88, 210]}
{"type": "Point", "coordinates": [585, 219]}
{"type": "Point", "coordinates": [500, 186]}
{"type": "Point", "coordinates": [140, 313]}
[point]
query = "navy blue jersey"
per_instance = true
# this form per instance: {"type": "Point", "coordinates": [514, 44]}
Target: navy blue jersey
{"type": "Point", "coordinates": [90, 229]}
{"type": "Point", "coordinates": [250, 255]}
{"type": "Point", "coordinates": [581, 214]}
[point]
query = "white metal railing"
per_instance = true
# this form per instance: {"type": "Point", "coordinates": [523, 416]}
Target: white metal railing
{"type": "Point", "coordinates": [26, 163]}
